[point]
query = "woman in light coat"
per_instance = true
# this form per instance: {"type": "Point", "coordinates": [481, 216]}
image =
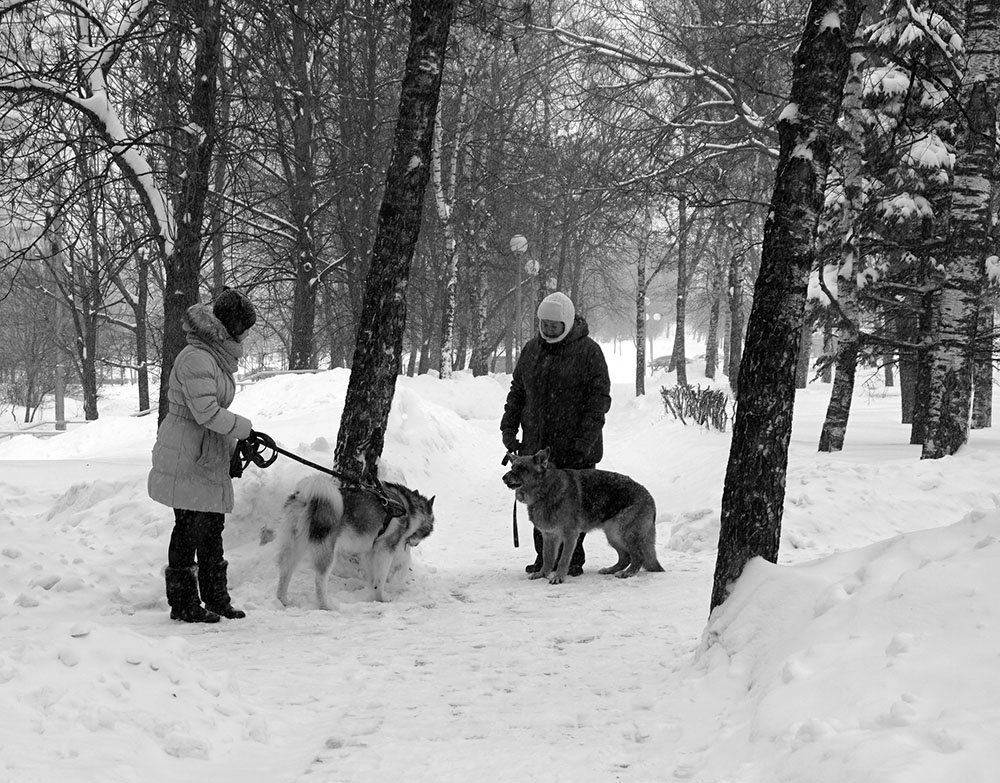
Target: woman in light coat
{"type": "Point", "coordinates": [191, 456]}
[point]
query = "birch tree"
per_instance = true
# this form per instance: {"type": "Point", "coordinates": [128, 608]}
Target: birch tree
{"type": "Point", "coordinates": [846, 301]}
{"type": "Point", "coordinates": [956, 303]}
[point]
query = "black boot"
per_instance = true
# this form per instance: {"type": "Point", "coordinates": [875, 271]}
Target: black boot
{"type": "Point", "coordinates": [579, 557]}
{"type": "Point", "coordinates": [214, 590]}
{"type": "Point", "coordinates": [536, 539]}
{"type": "Point", "coordinates": [182, 595]}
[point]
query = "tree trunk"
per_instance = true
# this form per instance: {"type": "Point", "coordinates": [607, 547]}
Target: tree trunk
{"type": "Point", "coordinates": [957, 301]}
{"type": "Point", "coordinates": [712, 338]}
{"type": "Point", "coordinates": [922, 385]}
{"type": "Point", "coordinates": [829, 350]}
{"type": "Point", "coordinates": [444, 197]}
{"type": "Point", "coordinates": [805, 352]}
{"type": "Point", "coordinates": [982, 369]}
{"type": "Point", "coordinates": [735, 333]}
{"type": "Point", "coordinates": [677, 357]}
{"type": "Point", "coordinates": [479, 360]}
{"type": "Point", "coordinates": [462, 350]}
{"type": "Point", "coordinates": [907, 387]}
{"type": "Point", "coordinates": [725, 344]}
{"type": "Point", "coordinates": [848, 338]}
{"type": "Point", "coordinates": [183, 265]}
{"type": "Point", "coordinates": [838, 410]}
{"type": "Point", "coordinates": [302, 199]}
{"type": "Point", "coordinates": [380, 334]}
{"type": "Point", "coordinates": [640, 329]}
{"type": "Point", "coordinates": [141, 331]}
{"type": "Point", "coordinates": [754, 490]}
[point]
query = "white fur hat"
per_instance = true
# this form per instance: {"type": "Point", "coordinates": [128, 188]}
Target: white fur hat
{"type": "Point", "coordinates": [557, 307]}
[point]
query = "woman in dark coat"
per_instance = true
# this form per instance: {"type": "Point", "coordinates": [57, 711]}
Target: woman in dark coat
{"type": "Point", "coordinates": [558, 397]}
{"type": "Point", "coordinates": [191, 456]}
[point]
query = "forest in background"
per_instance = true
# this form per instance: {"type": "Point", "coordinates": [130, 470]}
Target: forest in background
{"type": "Point", "coordinates": [634, 148]}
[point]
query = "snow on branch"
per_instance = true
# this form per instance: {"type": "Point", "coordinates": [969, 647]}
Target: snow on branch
{"type": "Point", "coordinates": [92, 98]}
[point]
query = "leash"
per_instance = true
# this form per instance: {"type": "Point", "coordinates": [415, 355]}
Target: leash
{"type": "Point", "coordinates": [517, 541]}
{"type": "Point", "coordinates": [254, 450]}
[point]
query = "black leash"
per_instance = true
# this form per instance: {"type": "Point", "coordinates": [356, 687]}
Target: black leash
{"type": "Point", "coordinates": [254, 450]}
{"type": "Point", "coordinates": [517, 541]}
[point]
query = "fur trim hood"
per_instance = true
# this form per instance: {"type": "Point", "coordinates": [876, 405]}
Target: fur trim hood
{"type": "Point", "coordinates": [200, 322]}
{"type": "Point", "coordinates": [205, 331]}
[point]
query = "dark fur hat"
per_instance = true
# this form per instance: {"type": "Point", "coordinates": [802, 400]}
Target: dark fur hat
{"type": "Point", "coordinates": [234, 311]}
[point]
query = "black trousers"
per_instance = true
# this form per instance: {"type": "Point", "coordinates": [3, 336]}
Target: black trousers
{"type": "Point", "coordinates": [196, 535]}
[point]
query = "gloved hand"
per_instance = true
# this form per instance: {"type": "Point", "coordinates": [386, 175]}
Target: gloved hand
{"type": "Point", "coordinates": [236, 460]}
{"type": "Point", "coordinates": [511, 443]}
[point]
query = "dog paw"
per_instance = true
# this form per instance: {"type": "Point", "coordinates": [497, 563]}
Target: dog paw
{"type": "Point", "coordinates": [555, 579]}
{"type": "Point", "coordinates": [536, 575]}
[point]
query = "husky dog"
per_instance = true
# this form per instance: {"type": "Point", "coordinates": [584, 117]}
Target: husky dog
{"type": "Point", "coordinates": [323, 519]}
{"type": "Point", "coordinates": [562, 504]}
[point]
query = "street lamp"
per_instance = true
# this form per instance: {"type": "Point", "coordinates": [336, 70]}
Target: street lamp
{"type": "Point", "coordinates": [518, 246]}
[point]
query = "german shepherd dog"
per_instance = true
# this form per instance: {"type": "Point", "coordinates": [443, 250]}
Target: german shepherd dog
{"type": "Point", "coordinates": [562, 504]}
{"type": "Point", "coordinates": [322, 519]}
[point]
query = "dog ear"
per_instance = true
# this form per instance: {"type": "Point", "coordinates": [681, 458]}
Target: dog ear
{"type": "Point", "coordinates": [430, 503]}
{"type": "Point", "coordinates": [542, 457]}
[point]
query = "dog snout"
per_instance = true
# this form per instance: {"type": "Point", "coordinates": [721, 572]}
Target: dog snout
{"type": "Point", "coordinates": [511, 480]}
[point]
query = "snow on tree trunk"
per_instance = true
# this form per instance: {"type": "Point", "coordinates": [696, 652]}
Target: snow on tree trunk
{"type": "Point", "coordinates": [956, 303]}
{"type": "Point", "coordinates": [754, 490]}
{"type": "Point", "coordinates": [838, 410]}
{"type": "Point", "coordinates": [444, 196]}
{"type": "Point", "coordinates": [378, 349]}
{"type": "Point", "coordinates": [182, 267]}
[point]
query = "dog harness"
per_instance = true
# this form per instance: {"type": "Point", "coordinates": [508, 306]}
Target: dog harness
{"type": "Point", "coordinates": [254, 449]}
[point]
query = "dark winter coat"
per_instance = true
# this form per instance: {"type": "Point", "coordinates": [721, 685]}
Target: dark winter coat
{"type": "Point", "coordinates": [199, 433]}
{"type": "Point", "coordinates": [558, 397]}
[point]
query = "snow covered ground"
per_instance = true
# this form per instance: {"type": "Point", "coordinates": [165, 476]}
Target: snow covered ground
{"type": "Point", "coordinates": [870, 653]}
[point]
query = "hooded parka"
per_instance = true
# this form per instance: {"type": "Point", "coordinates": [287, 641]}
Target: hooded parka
{"type": "Point", "coordinates": [198, 435]}
{"type": "Point", "coordinates": [559, 394]}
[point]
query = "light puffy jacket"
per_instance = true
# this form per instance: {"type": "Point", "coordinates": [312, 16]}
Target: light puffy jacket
{"type": "Point", "coordinates": [198, 435]}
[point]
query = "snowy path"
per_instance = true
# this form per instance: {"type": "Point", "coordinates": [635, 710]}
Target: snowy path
{"type": "Point", "coordinates": [472, 671]}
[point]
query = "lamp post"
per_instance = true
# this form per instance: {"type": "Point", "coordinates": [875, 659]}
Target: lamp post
{"type": "Point", "coordinates": [518, 246]}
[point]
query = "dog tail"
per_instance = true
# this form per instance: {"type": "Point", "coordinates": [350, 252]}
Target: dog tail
{"type": "Point", "coordinates": [649, 559]}
{"type": "Point", "coordinates": [324, 505]}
